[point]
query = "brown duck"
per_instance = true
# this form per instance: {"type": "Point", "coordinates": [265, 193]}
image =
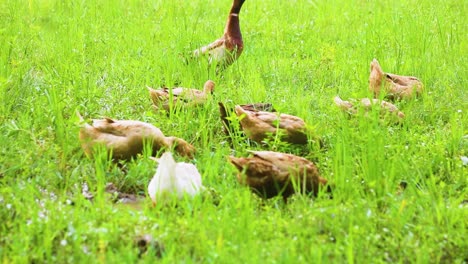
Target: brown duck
{"type": "Point", "coordinates": [225, 112]}
{"type": "Point", "coordinates": [366, 103]}
{"type": "Point", "coordinates": [181, 97]}
{"type": "Point", "coordinates": [396, 86]}
{"type": "Point", "coordinates": [258, 125]}
{"type": "Point", "coordinates": [270, 174]}
{"type": "Point", "coordinates": [125, 138]}
{"type": "Point", "coordinates": [225, 50]}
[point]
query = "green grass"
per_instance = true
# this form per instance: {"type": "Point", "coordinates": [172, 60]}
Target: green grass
{"type": "Point", "coordinates": [97, 57]}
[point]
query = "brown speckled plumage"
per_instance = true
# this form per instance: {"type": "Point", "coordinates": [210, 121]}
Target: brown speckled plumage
{"type": "Point", "coordinates": [226, 111]}
{"type": "Point", "coordinates": [269, 174]}
{"type": "Point", "coordinates": [258, 125]}
{"type": "Point", "coordinates": [395, 86]}
{"type": "Point", "coordinates": [366, 104]}
{"type": "Point", "coordinates": [125, 138]}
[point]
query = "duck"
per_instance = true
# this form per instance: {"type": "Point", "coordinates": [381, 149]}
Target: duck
{"type": "Point", "coordinates": [259, 125]}
{"type": "Point", "coordinates": [174, 178]}
{"type": "Point", "coordinates": [270, 174]}
{"type": "Point", "coordinates": [181, 97]}
{"type": "Point", "coordinates": [225, 112]}
{"type": "Point", "coordinates": [228, 48]}
{"type": "Point", "coordinates": [397, 87]}
{"type": "Point", "coordinates": [124, 139]}
{"type": "Point", "coordinates": [366, 104]}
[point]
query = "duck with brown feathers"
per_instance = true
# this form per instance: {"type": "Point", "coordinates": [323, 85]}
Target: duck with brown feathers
{"type": "Point", "coordinates": [179, 97]}
{"type": "Point", "coordinates": [225, 50]}
{"type": "Point", "coordinates": [260, 125]}
{"type": "Point", "coordinates": [125, 139]}
{"type": "Point", "coordinates": [269, 174]}
{"type": "Point", "coordinates": [226, 111]}
{"type": "Point", "coordinates": [386, 108]}
{"type": "Point", "coordinates": [395, 86]}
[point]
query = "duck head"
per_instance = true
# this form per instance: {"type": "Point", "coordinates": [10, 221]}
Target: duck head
{"type": "Point", "coordinates": [208, 87]}
{"type": "Point", "coordinates": [236, 6]}
{"type": "Point", "coordinates": [376, 77]}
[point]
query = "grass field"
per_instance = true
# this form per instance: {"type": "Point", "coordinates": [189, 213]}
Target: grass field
{"type": "Point", "coordinates": [97, 57]}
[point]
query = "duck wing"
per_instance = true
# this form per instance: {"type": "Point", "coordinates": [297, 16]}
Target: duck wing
{"type": "Point", "coordinates": [303, 171]}
{"type": "Point", "coordinates": [401, 80]}
{"type": "Point", "coordinates": [290, 122]}
{"type": "Point", "coordinates": [283, 161]}
{"type": "Point", "coordinates": [159, 96]}
{"type": "Point", "coordinates": [257, 124]}
{"type": "Point", "coordinates": [262, 176]}
{"type": "Point", "coordinates": [265, 117]}
{"type": "Point", "coordinates": [189, 95]}
{"type": "Point", "coordinates": [212, 49]}
{"type": "Point", "coordinates": [283, 121]}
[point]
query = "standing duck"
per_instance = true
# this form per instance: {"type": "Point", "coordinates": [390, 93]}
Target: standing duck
{"type": "Point", "coordinates": [173, 177]}
{"type": "Point", "coordinates": [258, 125]}
{"type": "Point", "coordinates": [125, 138]}
{"type": "Point", "coordinates": [366, 103]}
{"type": "Point", "coordinates": [181, 97]}
{"type": "Point", "coordinates": [396, 86]}
{"type": "Point", "coordinates": [270, 174]}
{"type": "Point", "coordinates": [225, 50]}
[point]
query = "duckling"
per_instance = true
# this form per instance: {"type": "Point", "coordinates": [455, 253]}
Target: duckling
{"type": "Point", "coordinates": [178, 178]}
{"type": "Point", "coordinates": [125, 138]}
{"type": "Point", "coordinates": [225, 50]}
{"type": "Point", "coordinates": [248, 107]}
{"type": "Point", "coordinates": [396, 86]}
{"type": "Point", "coordinates": [366, 103]}
{"type": "Point", "coordinates": [258, 125]}
{"type": "Point", "coordinates": [269, 174]}
{"type": "Point", "coordinates": [182, 97]}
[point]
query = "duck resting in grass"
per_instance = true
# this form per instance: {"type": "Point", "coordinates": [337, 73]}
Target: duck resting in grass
{"type": "Point", "coordinates": [367, 104]}
{"type": "Point", "coordinates": [225, 50]}
{"type": "Point", "coordinates": [259, 125]}
{"type": "Point", "coordinates": [395, 86]}
{"type": "Point", "coordinates": [166, 98]}
{"type": "Point", "coordinates": [269, 174]}
{"type": "Point", "coordinates": [174, 178]}
{"type": "Point", "coordinates": [125, 139]}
